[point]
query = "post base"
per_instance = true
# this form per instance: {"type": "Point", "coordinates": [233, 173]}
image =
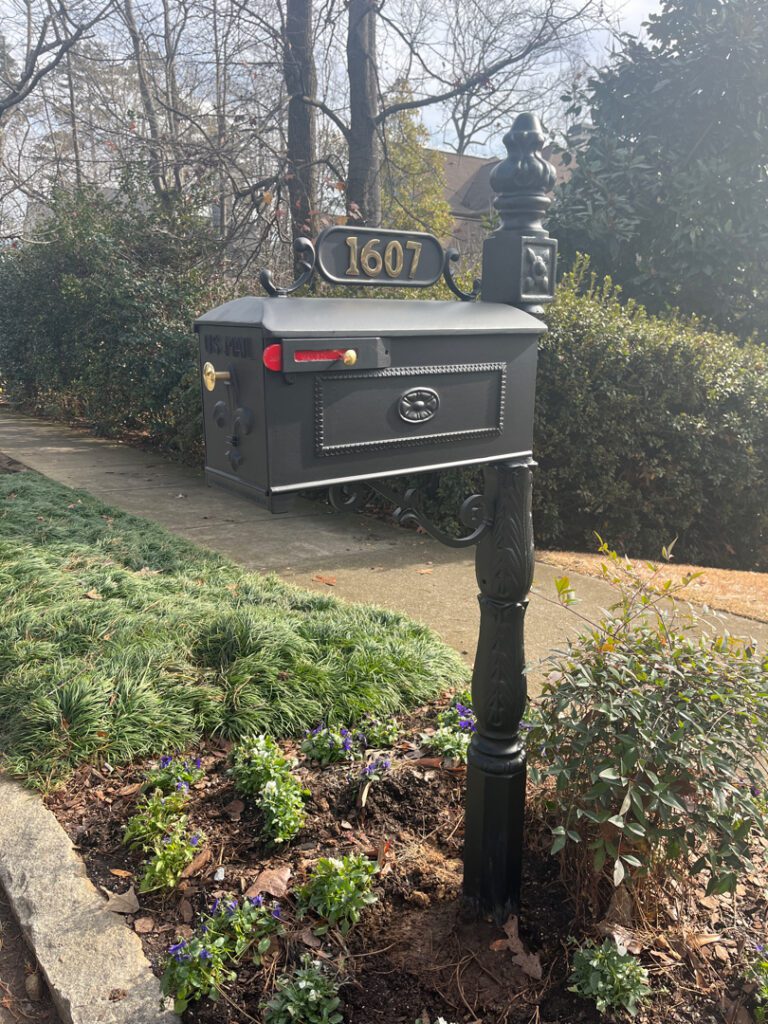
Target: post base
{"type": "Point", "coordinates": [493, 836]}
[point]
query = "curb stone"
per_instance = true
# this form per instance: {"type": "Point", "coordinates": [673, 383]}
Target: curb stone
{"type": "Point", "coordinates": [88, 955]}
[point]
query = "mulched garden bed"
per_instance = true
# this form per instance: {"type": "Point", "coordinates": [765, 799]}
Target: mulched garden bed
{"type": "Point", "coordinates": [414, 956]}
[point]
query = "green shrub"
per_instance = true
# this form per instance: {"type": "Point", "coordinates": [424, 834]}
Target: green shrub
{"type": "Point", "coordinates": [97, 320]}
{"type": "Point", "coordinates": [328, 745]}
{"type": "Point", "coordinates": [648, 429]}
{"type": "Point", "coordinates": [652, 735]}
{"type": "Point", "coordinates": [756, 975]}
{"type": "Point", "coordinates": [609, 976]}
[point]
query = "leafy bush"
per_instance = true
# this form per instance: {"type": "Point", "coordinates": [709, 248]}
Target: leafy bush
{"type": "Point", "coordinates": [307, 995]}
{"type": "Point", "coordinates": [155, 818]}
{"type": "Point", "coordinates": [652, 736]}
{"type": "Point", "coordinates": [378, 733]}
{"type": "Point", "coordinates": [170, 856]}
{"type": "Point", "coordinates": [338, 890]}
{"type": "Point", "coordinates": [97, 320]}
{"type": "Point", "coordinates": [199, 966]}
{"type": "Point", "coordinates": [610, 976]}
{"type": "Point", "coordinates": [261, 771]}
{"type": "Point", "coordinates": [448, 742]}
{"type": "Point", "coordinates": [647, 429]}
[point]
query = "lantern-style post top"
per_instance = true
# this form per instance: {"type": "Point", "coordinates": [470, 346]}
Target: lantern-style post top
{"type": "Point", "coordinates": [519, 259]}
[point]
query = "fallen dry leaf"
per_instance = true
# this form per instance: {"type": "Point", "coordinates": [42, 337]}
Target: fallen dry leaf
{"type": "Point", "coordinates": [308, 937]}
{"type": "Point", "coordinates": [528, 963]}
{"type": "Point", "coordinates": [622, 937]}
{"type": "Point", "coordinates": [234, 809]}
{"type": "Point", "coordinates": [186, 912]}
{"type": "Point", "coordinates": [129, 790]}
{"type": "Point", "coordinates": [123, 902]}
{"type": "Point", "coordinates": [273, 881]}
{"type": "Point", "coordinates": [93, 595]}
{"type": "Point", "coordinates": [144, 925]}
{"type": "Point", "coordinates": [199, 862]}
{"type": "Point", "coordinates": [428, 762]}
{"type": "Point", "coordinates": [121, 873]}
{"type": "Point", "coordinates": [346, 825]}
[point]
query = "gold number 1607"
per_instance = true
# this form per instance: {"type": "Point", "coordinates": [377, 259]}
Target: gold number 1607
{"type": "Point", "coordinates": [372, 261]}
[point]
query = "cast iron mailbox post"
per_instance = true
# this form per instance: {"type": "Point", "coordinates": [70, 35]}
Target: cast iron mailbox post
{"type": "Point", "coordinates": [342, 393]}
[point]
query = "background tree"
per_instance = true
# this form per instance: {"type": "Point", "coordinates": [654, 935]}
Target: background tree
{"type": "Point", "coordinates": [670, 190]}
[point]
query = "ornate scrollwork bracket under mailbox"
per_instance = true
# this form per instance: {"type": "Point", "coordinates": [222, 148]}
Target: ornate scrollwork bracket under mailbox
{"type": "Point", "coordinates": [408, 509]}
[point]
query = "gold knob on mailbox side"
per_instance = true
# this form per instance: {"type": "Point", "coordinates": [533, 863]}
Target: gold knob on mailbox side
{"type": "Point", "coordinates": [211, 375]}
{"type": "Point", "coordinates": [350, 357]}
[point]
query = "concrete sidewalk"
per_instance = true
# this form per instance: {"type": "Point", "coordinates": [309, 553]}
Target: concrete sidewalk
{"type": "Point", "coordinates": [367, 560]}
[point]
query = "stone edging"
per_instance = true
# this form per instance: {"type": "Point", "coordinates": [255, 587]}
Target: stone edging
{"type": "Point", "coordinates": [94, 964]}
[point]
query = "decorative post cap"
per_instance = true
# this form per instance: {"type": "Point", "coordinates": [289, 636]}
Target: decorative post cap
{"type": "Point", "coordinates": [519, 258]}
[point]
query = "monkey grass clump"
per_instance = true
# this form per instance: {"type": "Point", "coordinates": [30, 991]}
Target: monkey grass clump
{"type": "Point", "coordinates": [120, 641]}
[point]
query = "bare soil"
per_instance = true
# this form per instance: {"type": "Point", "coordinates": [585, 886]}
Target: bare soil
{"type": "Point", "coordinates": [23, 995]}
{"type": "Point", "coordinates": [416, 955]}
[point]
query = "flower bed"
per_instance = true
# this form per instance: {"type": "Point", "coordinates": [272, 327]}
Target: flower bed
{"type": "Point", "coordinates": [413, 956]}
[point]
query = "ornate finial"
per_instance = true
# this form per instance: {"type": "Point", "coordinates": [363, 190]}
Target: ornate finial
{"type": "Point", "coordinates": [524, 171]}
{"type": "Point", "coordinates": [519, 258]}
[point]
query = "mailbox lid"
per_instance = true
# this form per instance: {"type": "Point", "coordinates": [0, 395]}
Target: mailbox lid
{"type": "Point", "coordinates": [284, 317]}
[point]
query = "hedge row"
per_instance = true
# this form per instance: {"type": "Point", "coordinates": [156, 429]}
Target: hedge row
{"type": "Point", "coordinates": [647, 428]}
{"type": "Point", "coordinates": [96, 314]}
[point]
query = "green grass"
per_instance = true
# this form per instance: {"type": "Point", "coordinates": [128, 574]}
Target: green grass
{"type": "Point", "coordinates": [119, 640]}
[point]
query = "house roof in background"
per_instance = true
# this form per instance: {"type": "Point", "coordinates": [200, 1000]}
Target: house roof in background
{"type": "Point", "coordinates": [467, 180]}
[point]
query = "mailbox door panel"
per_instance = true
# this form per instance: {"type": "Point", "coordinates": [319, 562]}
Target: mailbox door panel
{"type": "Point", "coordinates": [443, 401]}
{"type": "Point", "coordinates": [408, 407]}
{"type": "Point", "coordinates": [233, 412]}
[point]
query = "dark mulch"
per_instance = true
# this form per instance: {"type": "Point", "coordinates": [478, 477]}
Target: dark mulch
{"type": "Point", "coordinates": [415, 955]}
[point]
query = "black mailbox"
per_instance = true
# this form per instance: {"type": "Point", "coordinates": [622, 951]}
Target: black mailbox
{"type": "Point", "coordinates": [336, 393]}
{"type": "Point", "coordinates": [303, 393]}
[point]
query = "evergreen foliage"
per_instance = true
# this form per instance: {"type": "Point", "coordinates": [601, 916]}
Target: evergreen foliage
{"type": "Point", "coordinates": [669, 192]}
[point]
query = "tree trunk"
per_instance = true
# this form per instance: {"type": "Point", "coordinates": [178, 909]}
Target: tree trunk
{"type": "Point", "coordinates": [300, 80]}
{"type": "Point", "coordinates": [363, 195]}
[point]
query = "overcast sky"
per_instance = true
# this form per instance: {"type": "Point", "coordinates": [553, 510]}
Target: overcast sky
{"type": "Point", "coordinates": [634, 12]}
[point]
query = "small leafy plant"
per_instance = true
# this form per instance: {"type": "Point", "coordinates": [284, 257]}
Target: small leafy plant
{"type": "Point", "coordinates": [306, 995]}
{"type": "Point", "coordinates": [459, 715]}
{"type": "Point", "coordinates": [338, 890]}
{"type": "Point", "coordinates": [170, 855]}
{"type": "Point", "coordinates": [232, 930]}
{"type": "Point", "coordinates": [610, 976]}
{"type": "Point", "coordinates": [377, 733]}
{"type": "Point", "coordinates": [160, 829]}
{"type": "Point", "coordinates": [650, 738]}
{"type": "Point", "coordinates": [328, 746]}
{"type": "Point", "coordinates": [453, 735]}
{"type": "Point", "coordinates": [262, 772]}
{"type": "Point", "coordinates": [174, 774]}
{"type": "Point", "coordinates": [757, 975]}
{"type": "Point", "coordinates": [156, 817]}
{"type": "Point", "coordinates": [448, 742]}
